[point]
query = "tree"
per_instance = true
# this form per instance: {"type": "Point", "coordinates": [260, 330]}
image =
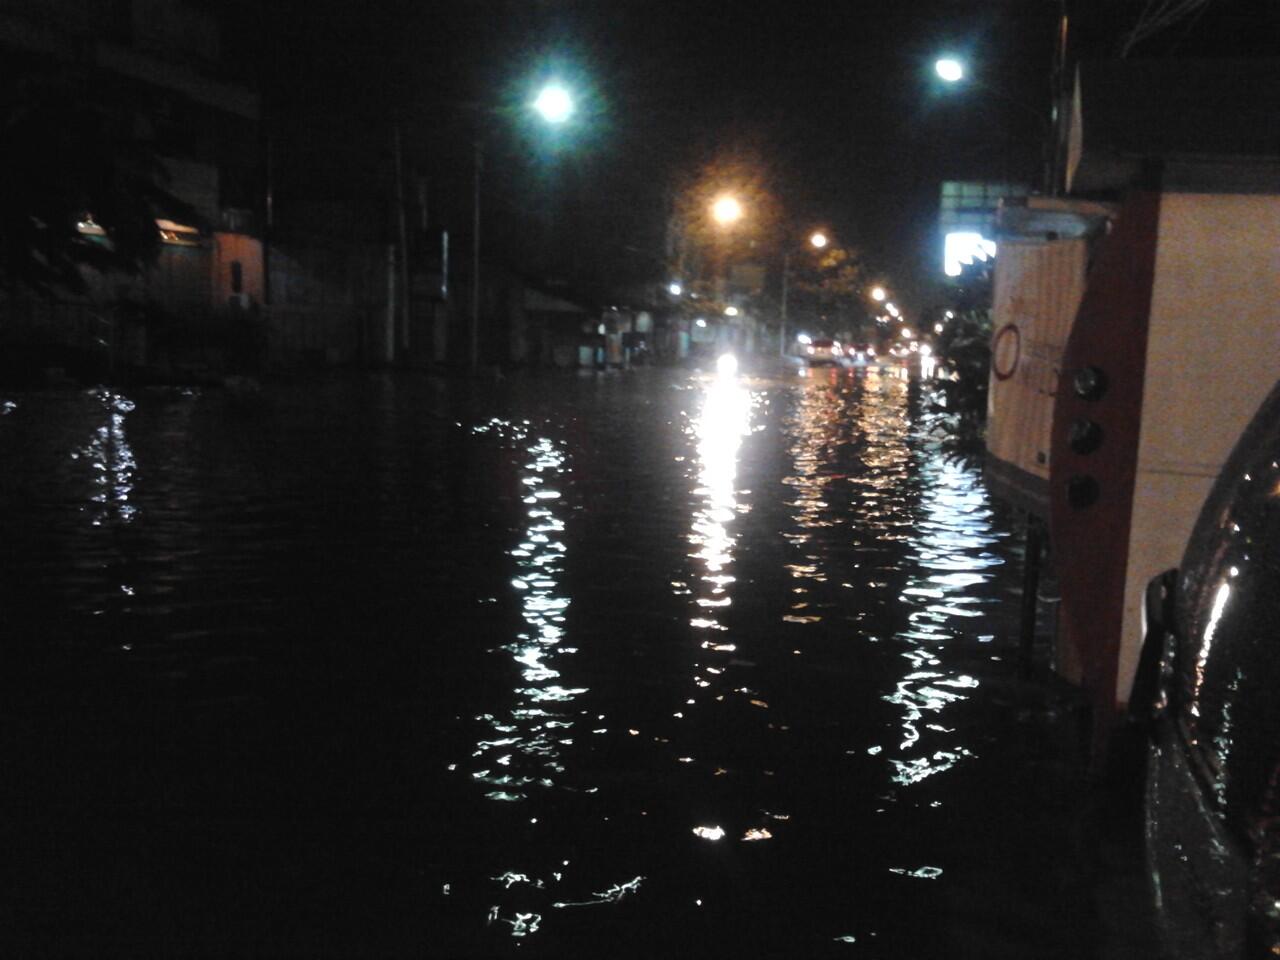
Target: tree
{"type": "Point", "coordinates": [71, 156]}
{"type": "Point", "coordinates": [832, 281]}
{"type": "Point", "coordinates": [964, 351]}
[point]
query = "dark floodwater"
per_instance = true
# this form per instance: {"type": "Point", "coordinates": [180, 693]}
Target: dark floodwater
{"type": "Point", "coordinates": [648, 664]}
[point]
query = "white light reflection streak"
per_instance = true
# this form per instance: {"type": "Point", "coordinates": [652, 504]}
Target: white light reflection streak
{"type": "Point", "coordinates": [952, 555]}
{"type": "Point", "coordinates": [724, 420]}
{"type": "Point", "coordinates": [815, 427]}
{"type": "Point", "coordinates": [525, 747]}
{"type": "Point", "coordinates": [112, 460]}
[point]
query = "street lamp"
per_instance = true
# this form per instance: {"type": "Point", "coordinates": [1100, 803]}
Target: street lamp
{"type": "Point", "coordinates": [726, 210]}
{"type": "Point", "coordinates": [878, 294]}
{"type": "Point", "coordinates": [949, 69]}
{"type": "Point", "coordinates": [554, 105]}
{"type": "Point", "coordinates": [817, 240]}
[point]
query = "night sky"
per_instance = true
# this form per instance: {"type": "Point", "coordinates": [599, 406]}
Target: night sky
{"type": "Point", "coordinates": [836, 101]}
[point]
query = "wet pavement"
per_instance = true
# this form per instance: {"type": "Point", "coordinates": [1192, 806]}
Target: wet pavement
{"type": "Point", "coordinates": [656, 663]}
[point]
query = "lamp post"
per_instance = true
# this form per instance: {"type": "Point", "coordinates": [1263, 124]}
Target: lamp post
{"type": "Point", "coordinates": [952, 71]}
{"type": "Point", "coordinates": [817, 240]}
{"type": "Point", "coordinates": [554, 104]}
{"type": "Point", "coordinates": [726, 210]}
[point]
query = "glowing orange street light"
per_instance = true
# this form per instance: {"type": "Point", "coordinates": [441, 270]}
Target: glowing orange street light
{"type": "Point", "coordinates": [726, 210]}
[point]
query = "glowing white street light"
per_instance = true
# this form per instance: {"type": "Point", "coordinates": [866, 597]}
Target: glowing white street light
{"type": "Point", "coordinates": [937, 328]}
{"type": "Point", "coordinates": [819, 239]}
{"type": "Point", "coordinates": [878, 294]}
{"type": "Point", "coordinates": [949, 69]}
{"type": "Point", "coordinates": [675, 289]}
{"type": "Point", "coordinates": [554, 103]}
{"type": "Point", "coordinates": [730, 311]}
{"type": "Point", "coordinates": [892, 310]}
{"type": "Point", "coordinates": [726, 210]}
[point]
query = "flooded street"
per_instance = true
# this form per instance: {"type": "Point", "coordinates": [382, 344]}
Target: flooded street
{"type": "Point", "coordinates": [655, 663]}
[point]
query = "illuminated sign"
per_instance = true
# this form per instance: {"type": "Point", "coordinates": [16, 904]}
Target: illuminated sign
{"type": "Point", "coordinates": [961, 248]}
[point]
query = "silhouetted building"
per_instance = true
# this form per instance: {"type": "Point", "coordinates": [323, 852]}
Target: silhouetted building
{"type": "Point", "coordinates": [156, 64]}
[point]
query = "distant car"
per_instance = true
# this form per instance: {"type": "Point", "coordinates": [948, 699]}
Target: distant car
{"type": "Point", "coordinates": [861, 353]}
{"type": "Point", "coordinates": [823, 352]}
{"type": "Point", "coordinates": [1210, 681]}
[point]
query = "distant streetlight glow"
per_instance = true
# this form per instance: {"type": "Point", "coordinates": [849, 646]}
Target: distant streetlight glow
{"type": "Point", "coordinates": [675, 289]}
{"type": "Point", "coordinates": [726, 210]}
{"type": "Point", "coordinates": [891, 310]}
{"type": "Point", "coordinates": [554, 103]}
{"type": "Point", "coordinates": [730, 311]}
{"type": "Point", "coordinates": [819, 239]}
{"type": "Point", "coordinates": [878, 294]}
{"type": "Point", "coordinates": [937, 328]}
{"type": "Point", "coordinates": [701, 322]}
{"type": "Point", "coordinates": [949, 69]}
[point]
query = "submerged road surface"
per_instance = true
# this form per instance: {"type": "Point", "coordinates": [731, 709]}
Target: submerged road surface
{"type": "Point", "coordinates": [647, 664]}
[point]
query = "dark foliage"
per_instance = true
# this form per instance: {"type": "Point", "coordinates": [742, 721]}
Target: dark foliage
{"type": "Point", "coordinates": [70, 151]}
{"type": "Point", "coordinates": [964, 349]}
